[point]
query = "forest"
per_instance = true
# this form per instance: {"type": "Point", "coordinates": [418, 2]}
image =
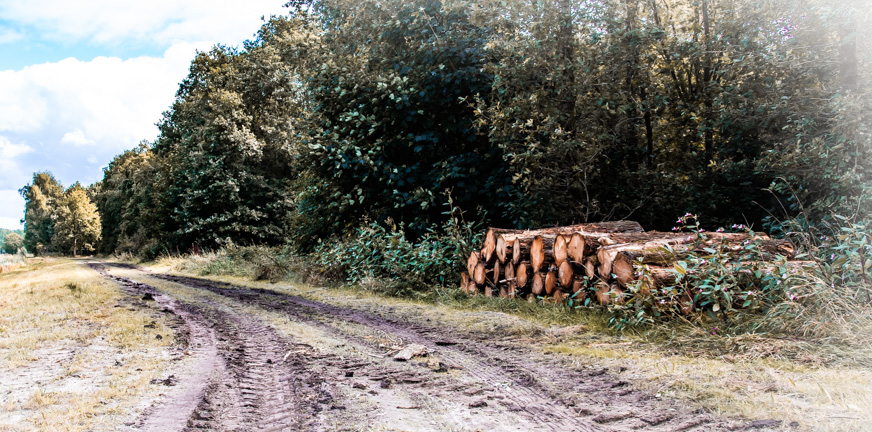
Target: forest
{"type": "Point", "coordinates": [379, 138]}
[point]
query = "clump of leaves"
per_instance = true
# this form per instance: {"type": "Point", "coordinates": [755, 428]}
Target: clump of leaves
{"type": "Point", "coordinates": [384, 251]}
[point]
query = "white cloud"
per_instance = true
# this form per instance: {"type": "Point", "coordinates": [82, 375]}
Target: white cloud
{"type": "Point", "coordinates": [9, 36]}
{"type": "Point", "coordinates": [106, 102]}
{"type": "Point", "coordinates": [10, 170]}
{"type": "Point", "coordinates": [112, 22]}
{"type": "Point", "coordinates": [76, 138]}
{"type": "Point", "coordinates": [11, 209]}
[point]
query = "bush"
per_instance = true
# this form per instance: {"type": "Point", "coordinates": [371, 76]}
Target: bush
{"type": "Point", "coordinates": [824, 297]}
{"type": "Point", "coordinates": [384, 253]}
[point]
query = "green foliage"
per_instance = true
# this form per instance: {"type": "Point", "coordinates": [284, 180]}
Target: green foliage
{"type": "Point", "coordinates": [12, 243]}
{"type": "Point", "coordinates": [77, 227]}
{"type": "Point", "coordinates": [5, 232]}
{"type": "Point", "coordinates": [394, 127]}
{"type": "Point", "coordinates": [383, 254]}
{"type": "Point", "coordinates": [41, 197]}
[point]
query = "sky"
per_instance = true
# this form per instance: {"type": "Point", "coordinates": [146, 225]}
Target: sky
{"type": "Point", "coordinates": [81, 81]}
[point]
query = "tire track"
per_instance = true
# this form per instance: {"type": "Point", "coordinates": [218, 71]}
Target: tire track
{"type": "Point", "coordinates": [547, 391]}
{"type": "Point", "coordinates": [247, 376]}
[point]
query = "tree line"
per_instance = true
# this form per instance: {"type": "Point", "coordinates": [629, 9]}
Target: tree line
{"type": "Point", "coordinates": [521, 114]}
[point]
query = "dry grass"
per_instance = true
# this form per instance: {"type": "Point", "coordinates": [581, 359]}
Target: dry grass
{"type": "Point", "coordinates": [69, 358]}
{"type": "Point", "coordinates": [821, 385]}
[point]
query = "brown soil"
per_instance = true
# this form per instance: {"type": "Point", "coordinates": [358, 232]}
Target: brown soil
{"type": "Point", "coordinates": [253, 377]}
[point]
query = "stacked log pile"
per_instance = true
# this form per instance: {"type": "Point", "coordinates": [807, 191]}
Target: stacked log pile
{"type": "Point", "coordinates": [596, 259]}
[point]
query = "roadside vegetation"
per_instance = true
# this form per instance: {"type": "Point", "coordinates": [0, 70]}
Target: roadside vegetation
{"type": "Point", "coordinates": [75, 354]}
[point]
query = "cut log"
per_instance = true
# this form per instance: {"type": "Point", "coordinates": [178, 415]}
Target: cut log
{"type": "Point", "coordinates": [472, 288]}
{"type": "Point", "coordinates": [464, 281]}
{"type": "Point", "coordinates": [522, 274]}
{"type": "Point", "coordinates": [559, 250]}
{"type": "Point", "coordinates": [685, 304]}
{"type": "Point", "coordinates": [518, 251]}
{"type": "Point", "coordinates": [501, 249]}
{"type": "Point", "coordinates": [558, 296]}
{"type": "Point", "coordinates": [590, 268]}
{"type": "Point", "coordinates": [602, 293]}
{"type": "Point", "coordinates": [509, 275]}
{"type": "Point", "coordinates": [488, 291]}
{"type": "Point", "coordinates": [620, 259]}
{"type": "Point", "coordinates": [550, 281]}
{"type": "Point", "coordinates": [608, 293]}
{"type": "Point", "coordinates": [538, 287]}
{"type": "Point", "coordinates": [575, 247]}
{"type": "Point", "coordinates": [479, 274]}
{"type": "Point", "coordinates": [579, 291]}
{"type": "Point", "coordinates": [537, 253]}
{"type": "Point", "coordinates": [564, 274]}
{"type": "Point", "coordinates": [471, 262]}
{"type": "Point", "coordinates": [504, 291]}
{"type": "Point", "coordinates": [496, 273]}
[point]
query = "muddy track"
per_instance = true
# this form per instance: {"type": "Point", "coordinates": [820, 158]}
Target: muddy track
{"type": "Point", "coordinates": [244, 379]}
{"type": "Point", "coordinates": [485, 384]}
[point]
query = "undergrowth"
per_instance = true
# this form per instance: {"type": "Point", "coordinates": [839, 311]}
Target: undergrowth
{"type": "Point", "coordinates": [822, 300]}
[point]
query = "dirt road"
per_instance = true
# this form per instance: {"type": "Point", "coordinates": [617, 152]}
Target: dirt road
{"type": "Point", "coordinates": [270, 361]}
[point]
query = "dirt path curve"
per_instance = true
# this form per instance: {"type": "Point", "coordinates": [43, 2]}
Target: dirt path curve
{"type": "Point", "coordinates": [266, 380]}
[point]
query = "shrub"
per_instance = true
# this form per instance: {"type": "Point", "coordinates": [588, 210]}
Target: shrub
{"type": "Point", "coordinates": [384, 252]}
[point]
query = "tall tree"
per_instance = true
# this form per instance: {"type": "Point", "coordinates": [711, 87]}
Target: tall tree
{"type": "Point", "coordinates": [41, 198]}
{"type": "Point", "coordinates": [78, 223]}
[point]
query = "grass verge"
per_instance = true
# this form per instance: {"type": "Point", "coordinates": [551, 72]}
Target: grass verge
{"type": "Point", "coordinates": [75, 353]}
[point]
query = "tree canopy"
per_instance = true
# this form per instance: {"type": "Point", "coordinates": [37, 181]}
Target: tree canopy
{"type": "Point", "coordinates": [519, 113]}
